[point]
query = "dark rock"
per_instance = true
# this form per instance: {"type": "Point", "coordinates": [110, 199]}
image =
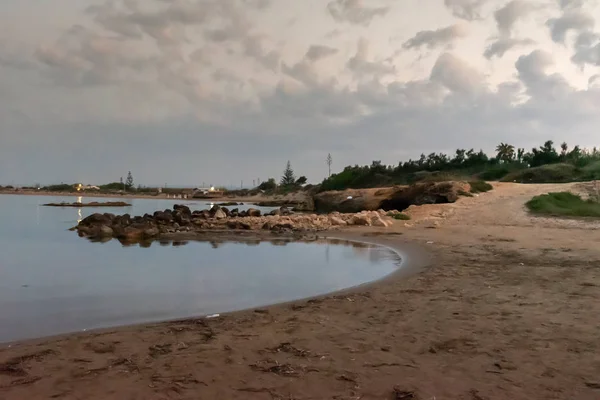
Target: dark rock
{"type": "Point", "coordinates": [163, 216]}
{"type": "Point", "coordinates": [95, 219]}
{"type": "Point", "coordinates": [104, 231]}
{"type": "Point", "coordinates": [253, 212]}
{"type": "Point", "coordinates": [284, 211]}
{"type": "Point", "coordinates": [238, 225]}
{"type": "Point", "coordinates": [182, 209]}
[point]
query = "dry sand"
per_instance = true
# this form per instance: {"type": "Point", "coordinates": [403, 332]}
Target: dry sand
{"type": "Point", "coordinates": [510, 309]}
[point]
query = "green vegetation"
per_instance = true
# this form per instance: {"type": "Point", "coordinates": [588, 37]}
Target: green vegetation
{"type": "Point", "coordinates": [508, 164]}
{"type": "Point", "coordinates": [129, 181]}
{"type": "Point", "coordinates": [63, 187]}
{"type": "Point", "coordinates": [563, 204]}
{"type": "Point", "coordinates": [399, 216]}
{"type": "Point", "coordinates": [480, 186]}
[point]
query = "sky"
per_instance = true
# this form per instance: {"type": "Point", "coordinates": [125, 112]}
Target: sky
{"type": "Point", "coordinates": [224, 91]}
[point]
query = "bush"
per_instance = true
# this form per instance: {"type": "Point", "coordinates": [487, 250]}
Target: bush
{"type": "Point", "coordinates": [563, 204]}
{"type": "Point", "coordinates": [63, 187]}
{"type": "Point", "coordinates": [399, 216]}
{"type": "Point", "coordinates": [499, 171]}
{"type": "Point", "coordinates": [480, 186]}
{"type": "Point", "coordinates": [591, 172]}
{"type": "Point", "coordinates": [553, 173]}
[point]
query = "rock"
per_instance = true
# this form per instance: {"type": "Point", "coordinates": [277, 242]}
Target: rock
{"type": "Point", "coordinates": [163, 216]}
{"type": "Point", "coordinates": [238, 225]}
{"type": "Point", "coordinates": [337, 221]}
{"type": "Point", "coordinates": [284, 211]}
{"type": "Point", "coordinates": [274, 213]}
{"type": "Point", "coordinates": [397, 197]}
{"type": "Point", "coordinates": [252, 212]}
{"type": "Point", "coordinates": [105, 231]}
{"type": "Point", "coordinates": [182, 208]}
{"type": "Point", "coordinates": [361, 220]}
{"type": "Point", "coordinates": [95, 219]}
{"type": "Point", "coordinates": [220, 214]}
{"type": "Point", "coordinates": [150, 233]}
{"type": "Point", "coordinates": [377, 221]}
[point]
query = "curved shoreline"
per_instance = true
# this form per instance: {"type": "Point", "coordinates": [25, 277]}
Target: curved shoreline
{"type": "Point", "coordinates": [413, 260]}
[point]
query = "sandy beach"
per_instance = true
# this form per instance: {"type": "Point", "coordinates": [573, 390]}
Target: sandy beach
{"type": "Point", "coordinates": [507, 306]}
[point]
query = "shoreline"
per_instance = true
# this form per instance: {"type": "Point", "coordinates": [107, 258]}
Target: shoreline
{"type": "Point", "coordinates": [507, 310]}
{"type": "Point", "coordinates": [413, 260]}
{"type": "Point", "coordinates": [250, 199]}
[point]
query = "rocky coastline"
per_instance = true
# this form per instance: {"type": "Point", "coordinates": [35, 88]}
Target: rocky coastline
{"type": "Point", "coordinates": [181, 220]}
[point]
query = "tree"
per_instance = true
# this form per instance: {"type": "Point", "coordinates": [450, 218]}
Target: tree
{"type": "Point", "coordinates": [288, 178]}
{"type": "Point", "coordinates": [129, 181]}
{"type": "Point", "coordinates": [301, 181]}
{"type": "Point", "coordinates": [506, 152]}
{"type": "Point", "coordinates": [270, 184]}
{"type": "Point", "coordinates": [329, 161]}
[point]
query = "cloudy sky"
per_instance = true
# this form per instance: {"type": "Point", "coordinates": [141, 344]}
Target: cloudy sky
{"type": "Point", "coordinates": [219, 91]}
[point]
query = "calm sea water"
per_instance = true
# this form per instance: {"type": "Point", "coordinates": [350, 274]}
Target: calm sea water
{"type": "Point", "coordinates": [52, 281]}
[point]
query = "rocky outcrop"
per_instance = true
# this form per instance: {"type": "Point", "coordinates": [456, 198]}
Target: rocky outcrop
{"type": "Point", "coordinates": [393, 198]}
{"type": "Point", "coordinates": [181, 219]}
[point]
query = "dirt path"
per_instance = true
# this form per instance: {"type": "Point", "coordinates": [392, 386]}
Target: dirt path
{"type": "Point", "coordinates": [510, 310]}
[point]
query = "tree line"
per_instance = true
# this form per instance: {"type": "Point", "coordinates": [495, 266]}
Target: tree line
{"type": "Point", "coordinates": [507, 158]}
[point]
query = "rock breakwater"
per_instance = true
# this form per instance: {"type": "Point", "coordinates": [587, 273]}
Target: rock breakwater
{"type": "Point", "coordinates": [182, 219]}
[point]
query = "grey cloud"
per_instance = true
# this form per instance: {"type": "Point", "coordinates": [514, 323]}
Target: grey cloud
{"type": "Point", "coordinates": [570, 4]}
{"type": "Point", "coordinates": [456, 75]}
{"type": "Point", "coordinates": [542, 87]}
{"type": "Point", "coordinates": [258, 4]}
{"type": "Point", "coordinates": [318, 52]}
{"type": "Point", "coordinates": [362, 66]}
{"type": "Point", "coordinates": [576, 20]}
{"type": "Point", "coordinates": [469, 10]}
{"type": "Point", "coordinates": [354, 11]}
{"type": "Point", "coordinates": [503, 45]}
{"type": "Point", "coordinates": [514, 10]}
{"type": "Point", "coordinates": [435, 38]}
{"type": "Point", "coordinates": [587, 49]}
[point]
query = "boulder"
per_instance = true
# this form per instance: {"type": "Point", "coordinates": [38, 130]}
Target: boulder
{"type": "Point", "coordinates": [337, 221]}
{"type": "Point", "coordinates": [252, 212]}
{"type": "Point", "coordinates": [238, 225]}
{"type": "Point", "coordinates": [182, 209]}
{"type": "Point", "coordinates": [104, 231]}
{"type": "Point", "coordinates": [220, 214]}
{"type": "Point", "coordinates": [361, 220]}
{"type": "Point", "coordinates": [95, 219]}
{"type": "Point", "coordinates": [380, 222]}
{"type": "Point", "coordinates": [150, 233]}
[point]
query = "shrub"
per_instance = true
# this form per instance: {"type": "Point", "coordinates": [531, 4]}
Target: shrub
{"type": "Point", "coordinates": [553, 173]}
{"type": "Point", "coordinates": [480, 186]}
{"type": "Point", "coordinates": [563, 204]}
{"type": "Point", "coordinates": [398, 215]}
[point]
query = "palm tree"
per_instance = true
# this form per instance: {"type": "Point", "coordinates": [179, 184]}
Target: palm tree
{"type": "Point", "coordinates": [506, 152]}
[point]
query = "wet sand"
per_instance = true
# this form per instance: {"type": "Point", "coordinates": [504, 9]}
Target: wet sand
{"type": "Point", "coordinates": [509, 309]}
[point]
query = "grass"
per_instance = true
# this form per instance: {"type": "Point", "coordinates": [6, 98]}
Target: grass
{"type": "Point", "coordinates": [480, 186]}
{"type": "Point", "coordinates": [400, 216]}
{"type": "Point", "coordinates": [563, 204]}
